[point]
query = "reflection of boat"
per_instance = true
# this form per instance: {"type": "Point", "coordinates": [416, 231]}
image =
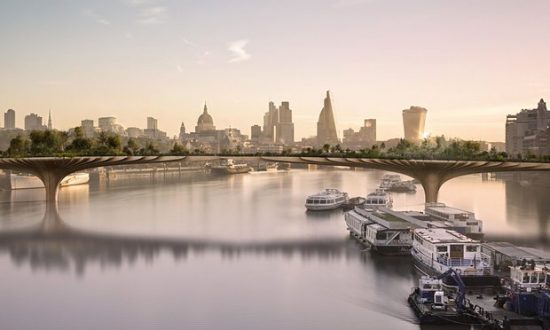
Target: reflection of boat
{"type": "Point", "coordinates": [379, 198]}
{"type": "Point", "coordinates": [328, 199]}
{"type": "Point", "coordinates": [437, 250]}
{"type": "Point", "coordinates": [24, 181]}
{"type": "Point", "coordinates": [228, 166]}
{"type": "Point", "coordinates": [386, 233]}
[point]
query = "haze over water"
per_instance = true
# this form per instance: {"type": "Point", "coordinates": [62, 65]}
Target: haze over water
{"type": "Point", "coordinates": [234, 252]}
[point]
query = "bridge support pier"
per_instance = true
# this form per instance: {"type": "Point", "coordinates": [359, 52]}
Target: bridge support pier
{"type": "Point", "coordinates": [431, 182]}
{"type": "Point", "coordinates": [51, 178]}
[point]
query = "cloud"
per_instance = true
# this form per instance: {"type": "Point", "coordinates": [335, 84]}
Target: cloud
{"type": "Point", "coordinates": [152, 15]}
{"type": "Point", "coordinates": [98, 19]}
{"type": "Point", "coordinates": [350, 3]}
{"type": "Point", "coordinates": [238, 51]}
{"type": "Point", "coordinates": [200, 54]}
{"type": "Point", "coordinates": [148, 11]}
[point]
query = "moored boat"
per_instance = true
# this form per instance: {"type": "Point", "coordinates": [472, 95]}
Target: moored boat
{"type": "Point", "coordinates": [328, 199]}
{"type": "Point", "coordinates": [436, 250]}
{"type": "Point", "coordinates": [402, 186]}
{"type": "Point", "coordinates": [378, 198]}
{"type": "Point", "coordinates": [388, 180]}
{"type": "Point", "coordinates": [228, 166]}
{"type": "Point", "coordinates": [384, 232]}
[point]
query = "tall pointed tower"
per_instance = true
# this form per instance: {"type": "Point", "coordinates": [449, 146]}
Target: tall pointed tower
{"type": "Point", "coordinates": [326, 128]}
{"type": "Point", "coordinates": [50, 120]}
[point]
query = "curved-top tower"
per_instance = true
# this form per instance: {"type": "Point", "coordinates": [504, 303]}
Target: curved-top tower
{"type": "Point", "coordinates": [205, 122]}
{"type": "Point", "coordinates": [326, 128]}
{"type": "Point", "coordinates": [414, 120]}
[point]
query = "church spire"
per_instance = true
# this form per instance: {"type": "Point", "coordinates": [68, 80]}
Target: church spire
{"type": "Point", "coordinates": [50, 119]}
{"type": "Point", "coordinates": [205, 108]}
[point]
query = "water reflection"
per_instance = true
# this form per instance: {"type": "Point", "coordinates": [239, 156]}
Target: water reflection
{"type": "Point", "coordinates": [54, 244]}
{"type": "Point", "coordinates": [194, 243]}
{"type": "Point", "coordinates": [527, 198]}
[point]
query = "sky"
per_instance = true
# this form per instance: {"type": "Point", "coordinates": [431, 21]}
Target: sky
{"type": "Point", "coordinates": [469, 62]}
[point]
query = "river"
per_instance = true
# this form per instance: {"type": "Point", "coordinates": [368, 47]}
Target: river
{"type": "Point", "coordinates": [233, 252]}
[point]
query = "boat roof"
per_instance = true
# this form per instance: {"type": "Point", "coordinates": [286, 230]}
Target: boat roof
{"type": "Point", "coordinates": [384, 218]}
{"type": "Point", "coordinates": [442, 235]}
{"type": "Point", "coordinates": [518, 252]}
{"type": "Point", "coordinates": [440, 207]}
{"type": "Point", "coordinates": [327, 193]}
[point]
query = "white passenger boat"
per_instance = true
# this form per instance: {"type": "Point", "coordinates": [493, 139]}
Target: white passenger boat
{"type": "Point", "coordinates": [402, 186]}
{"type": "Point", "coordinates": [228, 166]}
{"type": "Point", "coordinates": [328, 199]}
{"type": "Point", "coordinates": [378, 198]}
{"type": "Point", "coordinates": [436, 250]}
{"type": "Point", "coordinates": [388, 180]}
{"type": "Point", "coordinates": [27, 181]}
{"type": "Point", "coordinates": [380, 229]}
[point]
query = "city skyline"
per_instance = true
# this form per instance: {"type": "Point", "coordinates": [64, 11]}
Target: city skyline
{"type": "Point", "coordinates": [132, 59]}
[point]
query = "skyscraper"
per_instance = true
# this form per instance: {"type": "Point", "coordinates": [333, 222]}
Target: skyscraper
{"type": "Point", "coordinates": [326, 128]}
{"type": "Point", "coordinates": [414, 120]}
{"type": "Point", "coordinates": [284, 128]}
{"type": "Point", "coordinates": [9, 119]}
{"type": "Point", "coordinates": [271, 117]}
{"type": "Point", "coordinates": [255, 132]}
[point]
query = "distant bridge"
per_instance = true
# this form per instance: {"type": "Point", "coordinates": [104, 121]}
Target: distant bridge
{"type": "Point", "coordinates": [430, 173]}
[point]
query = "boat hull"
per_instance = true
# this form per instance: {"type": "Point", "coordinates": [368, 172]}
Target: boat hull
{"type": "Point", "coordinates": [323, 207]}
{"type": "Point", "coordinates": [469, 280]}
{"type": "Point", "coordinates": [386, 250]}
{"type": "Point", "coordinates": [428, 316]}
{"type": "Point", "coordinates": [229, 171]}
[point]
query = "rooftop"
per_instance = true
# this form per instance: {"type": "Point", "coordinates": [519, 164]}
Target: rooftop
{"type": "Point", "coordinates": [441, 235]}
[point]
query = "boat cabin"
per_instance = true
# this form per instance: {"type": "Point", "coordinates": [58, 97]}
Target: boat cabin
{"type": "Point", "coordinates": [442, 249]}
{"type": "Point", "coordinates": [530, 276]}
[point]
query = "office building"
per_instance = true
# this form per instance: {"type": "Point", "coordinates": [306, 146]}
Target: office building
{"type": "Point", "coordinates": [527, 131]}
{"type": "Point", "coordinates": [414, 120]}
{"type": "Point", "coordinates": [33, 122]}
{"type": "Point", "coordinates": [9, 119]}
{"type": "Point", "coordinates": [326, 128]}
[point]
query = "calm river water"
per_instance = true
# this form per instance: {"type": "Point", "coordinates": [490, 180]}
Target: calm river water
{"type": "Point", "coordinates": [235, 252]}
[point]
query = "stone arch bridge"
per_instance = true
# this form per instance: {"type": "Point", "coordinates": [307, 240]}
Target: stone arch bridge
{"type": "Point", "coordinates": [432, 174]}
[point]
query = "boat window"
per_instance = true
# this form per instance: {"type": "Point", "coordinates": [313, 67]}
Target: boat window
{"type": "Point", "coordinates": [441, 248]}
{"type": "Point", "coordinates": [541, 278]}
{"type": "Point", "coordinates": [471, 248]}
{"type": "Point", "coordinates": [380, 235]}
{"type": "Point", "coordinates": [315, 201]}
{"type": "Point", "coordinates": [525, 278]}
{"type": "Point", "coordinates": [322, 201]}
{"type": "Point", "coordinates": [309, 201]}
{"type": "Point", "coordinates": [533, 277]}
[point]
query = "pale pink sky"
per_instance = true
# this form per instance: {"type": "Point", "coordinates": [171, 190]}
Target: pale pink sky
{"type": "Point", "coordinates": [469, 62]}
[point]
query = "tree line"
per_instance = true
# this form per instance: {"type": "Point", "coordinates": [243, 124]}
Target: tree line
{"type": "Point", "coordinates": [65, 144]}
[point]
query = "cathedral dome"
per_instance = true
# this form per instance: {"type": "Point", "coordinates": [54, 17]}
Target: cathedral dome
{"type": "Point", "coordinates": [205, 122]}
{"type": "Point", "coordinates": [205, 118]}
